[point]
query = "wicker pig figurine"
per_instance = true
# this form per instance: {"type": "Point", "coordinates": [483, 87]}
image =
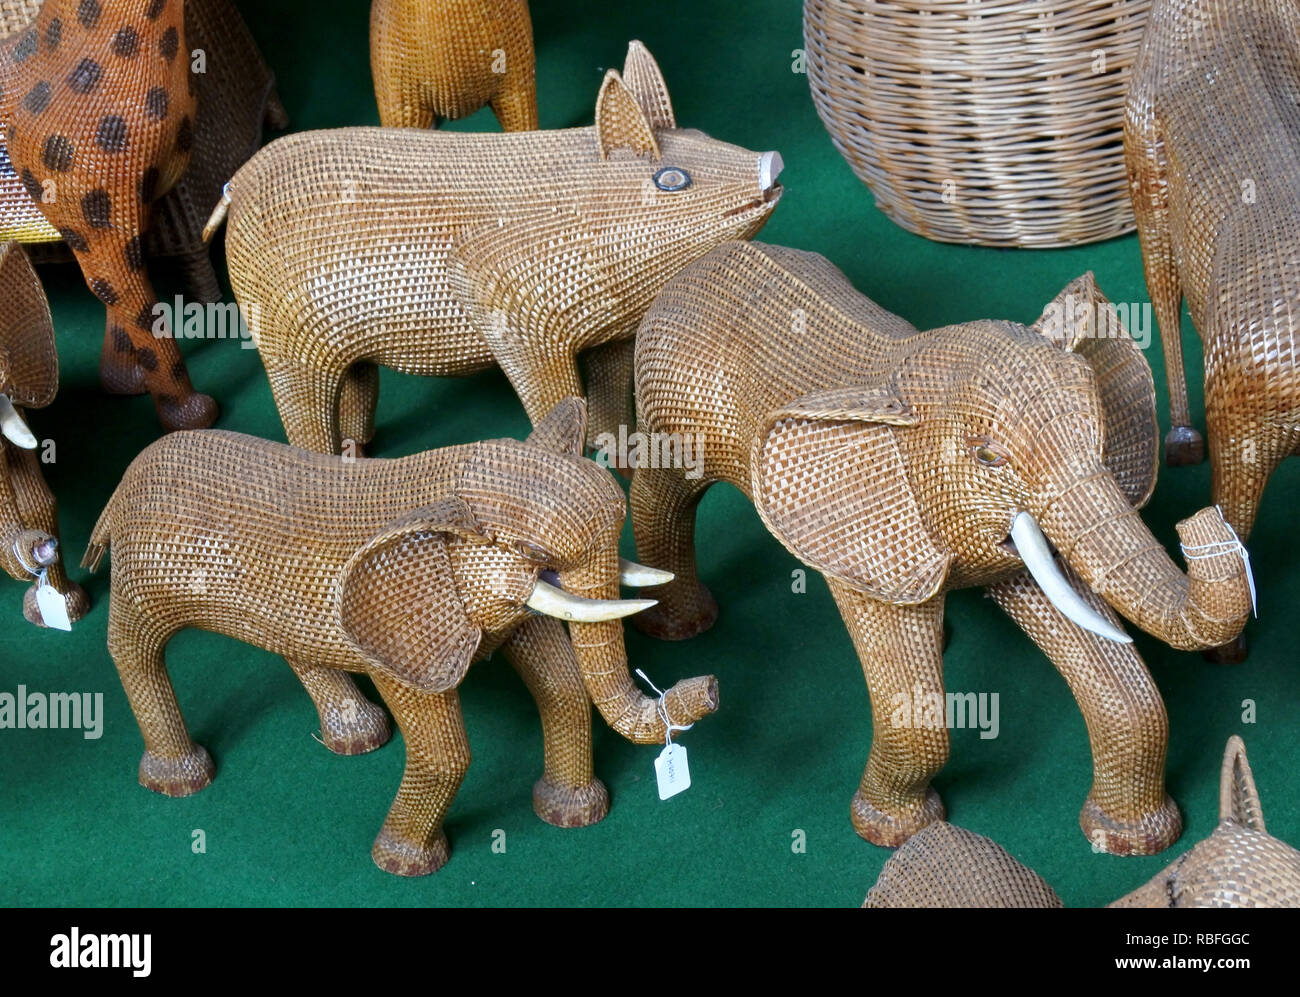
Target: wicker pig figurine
{"type": "Point", "coordinates": [435, 59]}
{"type": "Point", "coordinates": [405, 570]}
{"type": "Point", "coordinates": [98, 110]}
{"type": "Point", "coordinates": [1238, 865]}
{"type": "Point", "coordinates": [444, 253]}
{"type": "Point", "coordinates": [902, 464]}
{"type": "Point", "coordinates": [29, 377]}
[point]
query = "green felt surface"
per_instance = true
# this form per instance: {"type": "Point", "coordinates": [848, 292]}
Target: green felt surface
{"type": "Point", "coordinates": [288, 823]}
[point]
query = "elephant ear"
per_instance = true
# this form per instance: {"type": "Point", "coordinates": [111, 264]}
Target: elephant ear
{"type": "Point", "coordinates": [29, 365]}
{"type": "Point", "coordinates": [398, 603]}
{"type": "Point", "coordinates": [643, 77]}
{"type": "Point", "coordinates": [1081, 320]}
{"type": "Point", "coordinates": [563, 430]}
{"type": "Point", "coordinates": [1238, 797]}
{"type": "Point", "coordinates": [829, 481]}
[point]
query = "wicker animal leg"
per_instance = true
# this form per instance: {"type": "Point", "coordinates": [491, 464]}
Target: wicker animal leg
{"type": "Point", "coordinates": [899, 648]}
{"type": "Point", "coordinates": [541, 380]}
{"type": "Point", "coordinates": [412, 842]}
{"type": "Point", "coordinates": [39, 511]}
{"type": "Point", "coordinates": [200, 278]}
{"type": "Point", "coordinates": [172, 764]}
{"type": "Point", "coordinates": [357, 403]}
{"type": "Point", "coordinates": [608, 376]}
{"type": "Point", "coordinates": [664, 503]}
{"type": "Point", "coordinates": [568, 794]}
{"type": "Point", "coordinates": [349, 723]}
{"type": "Point", "coordinates": [1244, 452]}
{"type": "Point", "coordinates": [1127, 811]}
{"type": "Point", "coordinates": [516, 105]}
{"type": "Point", "coordinates": [308, 401]}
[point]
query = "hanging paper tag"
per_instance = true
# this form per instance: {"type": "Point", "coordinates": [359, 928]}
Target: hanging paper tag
{"type": "Point", "coordinates": [671, 770]}
{"type": "Point", "coordinates": [53, 610]}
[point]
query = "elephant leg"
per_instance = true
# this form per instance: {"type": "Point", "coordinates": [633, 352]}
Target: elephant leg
{"type": "Point", "coordinates": [200, 276]}
{"type": "Point", "coordinates": [349, 723]}
{"type": "Point", "coordinates": [1127, 811]}
{"type": "Point", "coordinates": [172, 764]}
{"type": "Point", "coordinates": [900, 651]}
{"type": "Point", "coordinates": [358, 400]}
{"type": "Point", "coordinates": [608, 371]}
{"type": "Point", "coordinates": [516, 106]}
{"type": "Point", "coordinates": [412, 842]}
{"type": "Point", "coordinates": [39, 510]}
{"type": "Point", "coordinates": [308, 402]}
{"type": "Point", "coordinates": [568, 794]}
{"type": "Point", "coordinates": [664, 502]}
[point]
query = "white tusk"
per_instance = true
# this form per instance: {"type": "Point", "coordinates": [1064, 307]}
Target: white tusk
{"type": "Point", "coordinates": [551, 601]}
{"type": "Point", "coordinates": [13, 427]}
{"type": "Point", "coordinates": [1032, 547]}
{"type": "Point", "coordinates": [638, 576]}
{"type": "Point", "coordinates": [770, 165]}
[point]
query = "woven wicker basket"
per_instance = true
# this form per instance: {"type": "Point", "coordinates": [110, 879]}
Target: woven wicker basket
{"type": "Point", "coordinates": [989, 121]}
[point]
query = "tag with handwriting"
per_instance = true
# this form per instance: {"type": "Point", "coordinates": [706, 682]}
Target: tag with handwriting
{"type": "Point", "coordinates": [671, 770]}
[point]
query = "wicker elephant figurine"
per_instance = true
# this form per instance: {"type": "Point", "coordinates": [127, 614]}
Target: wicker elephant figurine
{"type": "Point", "coordinates": [902, 464]}
{"type": "Point", "coordinates": [444, 59]}
{"type": "Point", "coordinates": [444, 254]}
{"type": "Point", "coordinates": [98, 109]}
{"type": "Point", "coordinates": [29, 377]}
{"type": "Point", "coordinates": [404, 570]}
{"type": "Point", "coordinates": [1239, 865]}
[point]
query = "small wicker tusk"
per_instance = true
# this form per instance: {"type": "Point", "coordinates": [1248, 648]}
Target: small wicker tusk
{"type": "Point", "coordinates": [551, 601]}
{"type": "Point", "coordinates": [636, 575]}
{"type": "Point", "coordinates": [13, 427]}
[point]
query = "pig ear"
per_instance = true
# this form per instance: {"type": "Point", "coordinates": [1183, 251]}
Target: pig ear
{"type": "Point", "coordinates": [562, 430]}
{"type": "Point", "coordinates": [29, 365]}
{"type": "Point", "coordinates": [1238, 797]}
{"type": "Point", "coordinates": [620, 121]}
{"type": "Point", "coordinates": [642, 76]}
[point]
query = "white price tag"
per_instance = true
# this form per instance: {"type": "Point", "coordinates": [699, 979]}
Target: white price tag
{"type": "Point", "coordinates": [671, 770]}
{"type": "Point", "coordinates": [53, 610]}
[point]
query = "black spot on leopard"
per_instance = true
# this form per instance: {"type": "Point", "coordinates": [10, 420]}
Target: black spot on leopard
{"type": "Point", "coordinates": [26, 47]}
{"type": "Point", "coordinates": [155, 9]}
{"type": "Point", "coordinates": [104, 291]}
{"type": "Point", "coordinates": [34, 189]}
{"type": "Point", "coordinates": [53, 34]}
{"type": "Point", "coordinates": [38, 98]}
{"type": "Point", "coordinates": [75, 240]}
{"type": "Point", "coordinates": [185, 135]}
{"type": "Point", "coordinates": [148, 188]}
{"type": "Point", "coordinates": [135, 253]}
{"type": "Point", "coordinates": [155, 103]}
{"type": "Point", "coordinates": [126, 42]}
{"type": "Point", "coordinates": [111, 133]}
{"type": "Point", "coordinates": [57, 152]}
{"type": "Point", "coordinates": [85, 77]}
{"type": "Point", "coordinates": [97, 207]}
{"type": "Point", "coordinates": [88, 12]}
{"type": "Point", "coordinates": [147, 358]}
{"type": "Point", "coordinates": [169, 43]}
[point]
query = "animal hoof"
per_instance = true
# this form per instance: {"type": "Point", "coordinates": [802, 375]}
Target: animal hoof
{"type": "Point", "coordinates": [181, 776]}
{"type": "Point", "coordinates": [194, 411]}
{"type": "Point", "coordinates": [890, 830]}
{"type": "Point", "coordinates": [1232, 653]}
{"type": "Point", "coordinates": [677, 618]}
{"type": "Point", "coordinates": [403, 857]}
{"type": "Point", "coordinates": [1149, 834]}
{"type": "Point", "coordinates": [355, 727]}
{"type": "Point", "coordinates": [564, 806]}
{"type": "Point", "coordinates": [1183, 446]}
{"type": "Point", "coordinates": [75, 601]}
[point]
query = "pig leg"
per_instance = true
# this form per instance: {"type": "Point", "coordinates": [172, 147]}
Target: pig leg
{"type": "Point", "coordinates": [357, 402]}
{"type": "Point", "coordinates": [541, 381]}
{"type": "Point", "coordinates": [308, 402]}
{"type": "Point", "coordinates": [349, 723]}
{"type": "Point", "coordinates": [609, 388]}
{"type": "Point", "coordinates": [664, 502]}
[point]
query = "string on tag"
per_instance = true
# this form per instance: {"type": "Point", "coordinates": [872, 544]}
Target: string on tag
{"type": "Point", "coordinates": [1198, 552]}
{"type": "Point", "coordinates": [669, 726]}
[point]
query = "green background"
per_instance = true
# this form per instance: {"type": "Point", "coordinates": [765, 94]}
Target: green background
{"type": "Point", "coordinates": [288, 823]}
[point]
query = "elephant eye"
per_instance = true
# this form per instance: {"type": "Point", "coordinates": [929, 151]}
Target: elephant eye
{"type": "Point", "coordinates": [986, 452]}
{"type": "Point", "coordinates": [672, 178]}
{"type": "Point", "coordinates": [532, 552]}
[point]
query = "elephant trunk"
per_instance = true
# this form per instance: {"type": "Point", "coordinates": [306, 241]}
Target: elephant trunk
{"type": "Point", "coordinates": [1102, 537]}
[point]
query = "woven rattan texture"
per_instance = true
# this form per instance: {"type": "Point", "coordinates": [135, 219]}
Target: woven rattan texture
{"type": "Point", "coordinates": [867, 447]}
{"type": "Point", "coordinates": [444, 59]}
{"type": "Point", "coordinates": [1212, 139]}
{"type": "Point", "coordinates": [442, 253]}
{"type": "Point", "coordinates": [993, 123]}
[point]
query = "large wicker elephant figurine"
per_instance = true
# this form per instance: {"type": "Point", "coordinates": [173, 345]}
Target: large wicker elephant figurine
{"type": "Point", "coordinates": [902, 464]}
{"type": "Point", "coordinates": [405, 570]}
{"type": "Point", "coordinates": [29, 377]}
{"type": "Point", "coordinates": [436, 59]}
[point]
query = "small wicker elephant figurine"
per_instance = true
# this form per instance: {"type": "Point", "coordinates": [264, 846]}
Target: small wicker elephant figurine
{"type": "Point", "coordinates": [444, 59]}
{"type": "Point", "coordinates": [444, 253]}
{"type": "Point", "coordinates": [902, 464]}
{"type": "Point", "coordinates": [1238, 865]}
{"type": "Point", "coordinates": [1211, 138]}
{"type": "Point", "coordinates": [98, 109]}
{"type": "Point", "coordinates": [404, 570]}
{"type": "Point", "coordinates": [29, 377]}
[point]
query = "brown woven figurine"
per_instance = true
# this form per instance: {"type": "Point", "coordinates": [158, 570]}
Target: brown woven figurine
{"type": "Point", "coordinates": [444, 253]}
{"type": "Point", "coordinates": [1212, 140]}
{"type": "Point", "coordinates": [29, 377]}
{"type": "Point", "coordinates": [405, 570]}
{"type": "Point", "coordinates": [902, 464]}
{"type": "Point", "coordinates": [436, 59]}
{"type": "Point", "coordinates": [1239, 865]}
{"type": "Point", "coordinates": [98, 112]}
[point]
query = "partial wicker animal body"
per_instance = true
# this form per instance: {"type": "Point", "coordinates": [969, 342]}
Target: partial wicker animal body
{"type": "Point", "coordinates": [98, 108]}
{"type": "Point", "coordinates": [992, 123]}
{"type": "Point", "coordinates": [436, 59]}
{"type": "Point", "coordinates": [902, 464]}
{"type": "Point", "coordinates": [29, 377]}
{"type": "Point", "coordinates": [406, 570]}
{"type": "Point", "coordinates": [1212, 140]}
{"type": "Point", "coordinates": [443, 254]}
{"type": "Point", "coordinates": [1239, 865]}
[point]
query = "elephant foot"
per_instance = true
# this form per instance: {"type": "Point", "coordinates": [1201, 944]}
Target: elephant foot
{"type": "Point", "coordinates": [194, 411]}
{"type": "Point", "coordinates": [1184, 446]}
{"type": "Point", "coordinates": [355, 727]}
{"type": "Point", "coordinates": [1232, 653]}
{"type": "Point", "coordinates": [678, 618]}
{"type": "Point", "coordinates": [890, 830]}
{"type": "Point", "coordinates": [565, 806]}
{"type": "Point", "coordinates": [403, 857]}
{"type": "Point", "coordinates": [75, 601]}
{"type": "Point", "coordinates": [121, 376]}
{"type": "Point", "coordinates": [181, 776]}
{"type": "Point", "coordinates": [1149, 834]}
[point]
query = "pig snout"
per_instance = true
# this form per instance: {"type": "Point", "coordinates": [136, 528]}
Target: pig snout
{"type": "Point", "coordinates": [770, 166]}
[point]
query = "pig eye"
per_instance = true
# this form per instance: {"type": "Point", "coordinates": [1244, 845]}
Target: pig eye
{"type": "Point", "coordinates": [672, 178]}
{"type": "Point", "coordinates": [986, 452]}
{"type": "Point", "coordinates": [531, 552]}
